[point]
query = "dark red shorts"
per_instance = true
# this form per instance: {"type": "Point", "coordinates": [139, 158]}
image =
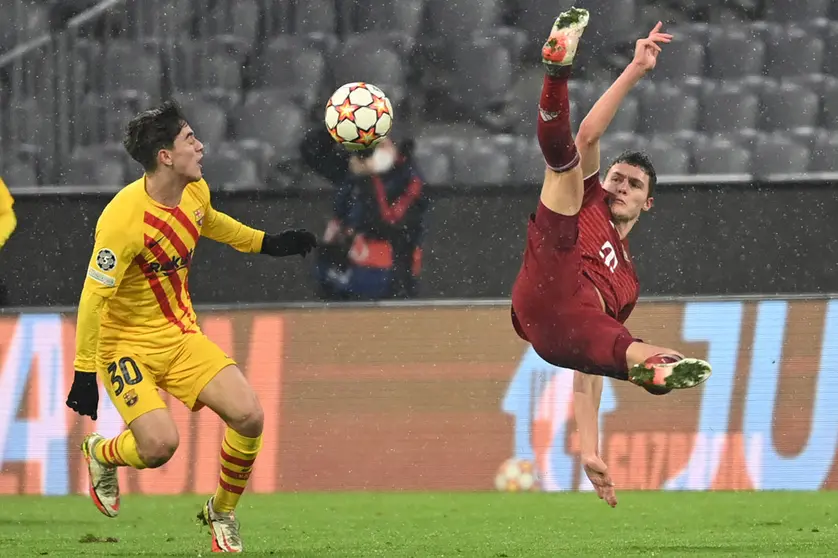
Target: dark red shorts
{"type": "Point", "coordinates": [557, 309]}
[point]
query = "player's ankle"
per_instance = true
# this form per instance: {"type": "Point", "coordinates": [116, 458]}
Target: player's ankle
{"type": "Point", "coordinates": [557, 72]}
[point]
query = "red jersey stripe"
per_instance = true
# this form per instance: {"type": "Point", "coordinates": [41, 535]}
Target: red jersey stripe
{"type": "Point", "coordinates": [174, 278]}
{"type": "Point", "coordinates": [168, 232]}
{"type": "Point", "coordinates": [187, 224]}
{"type": "Point", "coordinates": [159, 293]}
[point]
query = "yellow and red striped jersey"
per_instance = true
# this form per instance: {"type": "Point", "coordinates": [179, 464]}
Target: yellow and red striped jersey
{"type": "Point", "coordinates": [140, 264]}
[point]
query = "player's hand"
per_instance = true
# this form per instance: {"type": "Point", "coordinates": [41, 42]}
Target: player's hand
{"type": "Point", "coordinates": [597, 472]}
{"type": "Point", "coordinates": [289, 243]}
{"type": "Point", "coordinates": [357, 166]}
{"type": "Point", "coordinates": [84, 395]}
{"type": "Point", "coordinates": [646, 50]}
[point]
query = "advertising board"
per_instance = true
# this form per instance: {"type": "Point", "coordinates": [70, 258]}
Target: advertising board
{"type": "Point", "coordinates": [438, 397]}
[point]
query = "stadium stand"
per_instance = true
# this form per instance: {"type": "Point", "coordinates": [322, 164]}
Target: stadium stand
{"type": "Point", "coordinates": [746, 83]}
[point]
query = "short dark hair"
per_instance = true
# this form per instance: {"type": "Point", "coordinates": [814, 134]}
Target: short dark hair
{"type": "Point", "coordinates": [153, 130]}
{"type": "Point", "coordinates": [643, 162]}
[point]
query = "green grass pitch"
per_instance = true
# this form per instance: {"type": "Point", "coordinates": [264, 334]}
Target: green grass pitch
{"type": "Point", "coordinates": [437, 524]}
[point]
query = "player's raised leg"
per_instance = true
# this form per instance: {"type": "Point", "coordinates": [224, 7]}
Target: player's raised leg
{"type": "Point", "coordinates": [231, 397]}
{"type": "Point", "coordinates": [150, 440]}
{"type": "Point", "coordinates": [563, 189]}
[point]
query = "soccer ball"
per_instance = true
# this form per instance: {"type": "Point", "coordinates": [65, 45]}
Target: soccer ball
{"type": "Point", "coordinates": [516, 475]}
{"type": "Point", "coordinates": [358, 115]}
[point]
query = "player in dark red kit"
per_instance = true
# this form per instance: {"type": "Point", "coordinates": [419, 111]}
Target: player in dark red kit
{"type": "Point", "coordinates": [577, 284]}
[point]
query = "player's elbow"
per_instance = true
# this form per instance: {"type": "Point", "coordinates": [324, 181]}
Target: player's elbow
{"type": "Point", "coordinates": [587, 136]}
{"type": "Point", "coordinates": [90, 301]}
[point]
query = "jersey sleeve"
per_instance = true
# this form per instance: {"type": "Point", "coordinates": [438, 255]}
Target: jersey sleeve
{"type": "Point", "coordinates": [114, 249]}
{"type": "Point", "coordinates": [593, 189]}
{"type": "Point", "coordinates": [222, 228]}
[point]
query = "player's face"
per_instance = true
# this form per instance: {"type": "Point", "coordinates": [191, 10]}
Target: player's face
{"type": "Point", "coordinates": [628, 187]}
{"type": "Point", "coordinates": [186, 155]}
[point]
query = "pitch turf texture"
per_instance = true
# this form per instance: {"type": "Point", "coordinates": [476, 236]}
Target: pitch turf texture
{"type": "Point", "coordinates": [428, 525]}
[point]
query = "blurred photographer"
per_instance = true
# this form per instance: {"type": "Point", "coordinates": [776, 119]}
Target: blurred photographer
{"type": "Point", "coordinates": [371, 249]}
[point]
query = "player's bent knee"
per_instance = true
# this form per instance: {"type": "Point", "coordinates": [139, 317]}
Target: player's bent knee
{"type": "Point", "coordinates": [563, 192]}
{"type": "Point", "coordinates": [249, 420]}
{"type": "Point", "coordinates": [157, 451]}
{"type": "Point", "coordinates": [157, 437]}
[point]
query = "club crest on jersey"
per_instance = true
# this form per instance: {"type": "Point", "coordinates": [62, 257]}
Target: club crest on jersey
{"type": "Point", "coordinates": [199, 217]}
{"type": "Point", "coordinates": [130, 398]}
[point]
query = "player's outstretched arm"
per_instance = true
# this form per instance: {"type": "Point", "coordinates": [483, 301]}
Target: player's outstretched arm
{"type": "Point", "coordinates": [602, 113]}
{"type": "Point", "coordinates": [113, 252]}
{"type": "Point", "coordinates": [587, 393]}
{"type": "Point", "coordinates": [222, 228]}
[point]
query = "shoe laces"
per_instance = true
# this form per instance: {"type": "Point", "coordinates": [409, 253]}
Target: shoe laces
{"type": "Point", "coordinates": [108, 480]}
{"type": "Point", "coordinates": [227, 523]}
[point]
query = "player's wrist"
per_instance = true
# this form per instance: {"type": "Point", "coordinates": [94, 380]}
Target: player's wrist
{"type": "Point", "coordinates": [87, 366]}
{"type": "Point", "coordinates": [636, 70]}
{"type": "Point", "coordinates": [588, 457]}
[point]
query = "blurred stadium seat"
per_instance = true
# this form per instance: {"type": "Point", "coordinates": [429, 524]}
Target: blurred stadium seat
{"type": "Point", "coordinates": [789, 106]}
{"type": "Point", "coordinates": [728, 108]}
{"type": "Point", "coordinates": [272, 120]}
{"type": "Point", "coordinates": [481, 164]}
{"type": "Point", "coordinates": [824, 153]}
{"type": "Point", "coordinates": [668, 108]}
{"type": "Point", "coordinates": [734, 53]}
{"type": "Point", "coordinates": [721, 157]}
{"type": "Point", "coordinates": [289, 63]}
{"type": "Point", "coordinates": [778, 154]}
{"type": "Point", "coordinates": [668, 159]}
{"type": "Point", "coordinates": [796, 10]}
{"type": "Point", "coordinates": [93, 166]}
{"type": "Point", "coordinates": [684, 58]}
{"type": "Point", "coordinates": [20, 173]}
{"type": "Point", "coordinates": [795, 52]}
{"type": "Point", "coordinates": [228, 168]}
{"type": "Point", "coordinates": [404, 16]}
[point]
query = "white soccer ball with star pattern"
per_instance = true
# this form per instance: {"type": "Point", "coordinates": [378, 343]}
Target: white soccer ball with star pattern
{"type": "Point", "coordinates": [359, 115]}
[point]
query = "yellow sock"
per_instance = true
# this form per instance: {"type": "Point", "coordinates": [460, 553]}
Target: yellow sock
{"type": "Point", "coordinates": [237, 456]}
{"type": "Point", "coordinates": [120, 451]}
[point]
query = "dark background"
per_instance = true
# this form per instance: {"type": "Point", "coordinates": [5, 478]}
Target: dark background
{"type": "Point", "coordinates": [700, 239]}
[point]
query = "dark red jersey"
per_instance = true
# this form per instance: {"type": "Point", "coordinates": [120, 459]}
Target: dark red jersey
{"type": "Point", "coordinates": [606, 260]}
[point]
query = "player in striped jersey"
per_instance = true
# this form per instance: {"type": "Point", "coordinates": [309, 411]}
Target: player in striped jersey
{"type": "Point", "coordinates": [577, 284]}
{"type": "Point", "coordinates": [138, 331]}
